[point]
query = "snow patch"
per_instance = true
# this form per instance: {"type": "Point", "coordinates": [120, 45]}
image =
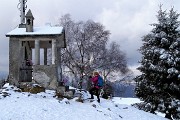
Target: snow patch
{"type": "Point", "coordinates": [43, 106]}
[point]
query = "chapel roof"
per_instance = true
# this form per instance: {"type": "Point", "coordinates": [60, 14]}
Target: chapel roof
{"type": "Point", "coordinates": [37, 31]}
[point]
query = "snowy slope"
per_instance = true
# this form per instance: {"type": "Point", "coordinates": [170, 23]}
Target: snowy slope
{"type": "Point", "coordinates": [43, 106]}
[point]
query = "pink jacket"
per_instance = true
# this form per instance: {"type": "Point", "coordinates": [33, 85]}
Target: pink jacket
{"type": "Point", "coordinates": [95, 81]}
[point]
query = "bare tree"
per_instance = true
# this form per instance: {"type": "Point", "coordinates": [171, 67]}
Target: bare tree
{"type": "Point", "coordinates": [85, 40]}
{"type": "Point", "coordinates": [113, 60]}
{"type": "Point", "coordinates": [86, 49]}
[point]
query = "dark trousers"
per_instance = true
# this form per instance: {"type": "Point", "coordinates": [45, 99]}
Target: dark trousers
{"type": "Point", "coordinates": [95, 91]}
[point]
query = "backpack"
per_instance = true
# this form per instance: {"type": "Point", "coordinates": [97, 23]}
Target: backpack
{"type": "Point", "coordinates": [100, 81]}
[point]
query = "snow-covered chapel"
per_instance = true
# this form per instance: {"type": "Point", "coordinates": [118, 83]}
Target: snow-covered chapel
{"type": "Point", "coordinates": [28, 56]}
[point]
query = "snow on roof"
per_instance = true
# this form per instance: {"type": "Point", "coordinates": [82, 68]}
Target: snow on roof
{"type": "Point", "coordinates": [46, 30]}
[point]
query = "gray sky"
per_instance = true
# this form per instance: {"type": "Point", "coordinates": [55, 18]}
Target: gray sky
{"type": "Point", "coordinates": [127, 20]}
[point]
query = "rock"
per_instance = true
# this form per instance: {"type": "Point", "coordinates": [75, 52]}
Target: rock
{"type": "Point", "coordinates": [53, 84]}
{"type": "Point", "coordinates": [33, 88]}
{"type": "Point", "coordinates": [80, 100]}
{"type": "Point", "coordinates": [68, 94]}
{"type": "Point", "coordinates": [5, 94]}
{"type": "Point", "coordinates": [41, 78]}
{"type": "Point", "coordinates": [94, 105]}
{"type": "Point", "coordinates": [37, 89]}
{"type": "Point", "coordinates": [60, 91]}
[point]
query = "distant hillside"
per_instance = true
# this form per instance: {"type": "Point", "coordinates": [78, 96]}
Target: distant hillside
{"type": "Point", "coordinates": [123, 86]}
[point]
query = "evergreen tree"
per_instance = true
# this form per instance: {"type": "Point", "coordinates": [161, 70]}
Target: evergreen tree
{"type": "Point", "coordinates": [159, 84]}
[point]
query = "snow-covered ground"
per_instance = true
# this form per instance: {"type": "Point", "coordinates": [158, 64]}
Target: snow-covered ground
{"type": "Point", "coordinates": [43, 106]}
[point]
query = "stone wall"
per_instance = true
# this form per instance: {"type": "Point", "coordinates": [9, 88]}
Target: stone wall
{"type": "Point", "coordinates": [14, 61]}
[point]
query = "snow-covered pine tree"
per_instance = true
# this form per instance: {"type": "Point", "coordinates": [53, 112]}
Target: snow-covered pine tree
{"type": "Point", "coordinates": [159, 84]}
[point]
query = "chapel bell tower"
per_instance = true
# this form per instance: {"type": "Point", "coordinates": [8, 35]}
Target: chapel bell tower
{"type": "Point", "coordinates": [29, 21]}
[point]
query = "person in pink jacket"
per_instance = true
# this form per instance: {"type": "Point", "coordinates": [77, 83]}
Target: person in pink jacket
{"type": "Point", "coordinates": [95, 88]}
